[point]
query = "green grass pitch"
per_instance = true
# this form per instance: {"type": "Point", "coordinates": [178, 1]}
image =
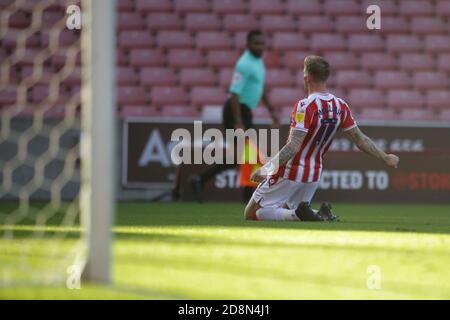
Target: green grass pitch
{"type": "Point", "coordinates": [208, 251]}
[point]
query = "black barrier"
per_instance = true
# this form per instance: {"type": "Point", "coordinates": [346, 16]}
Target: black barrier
{"type": "Point", "coordinates": [423, 174]}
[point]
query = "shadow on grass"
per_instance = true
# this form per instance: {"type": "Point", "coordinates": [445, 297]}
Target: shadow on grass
{"type": "Point", "coordinates": [354, 217]}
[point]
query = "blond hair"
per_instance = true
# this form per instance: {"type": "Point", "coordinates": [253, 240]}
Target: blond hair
{"type": "Point", "coordinates": [317, 68]}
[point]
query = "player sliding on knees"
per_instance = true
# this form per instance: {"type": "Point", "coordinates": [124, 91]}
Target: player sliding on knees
{"type": "Point", "coordinates": [289, 180]}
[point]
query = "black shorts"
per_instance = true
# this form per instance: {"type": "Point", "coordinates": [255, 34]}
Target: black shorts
{"type": "Point", "coordinates": [228, 117]}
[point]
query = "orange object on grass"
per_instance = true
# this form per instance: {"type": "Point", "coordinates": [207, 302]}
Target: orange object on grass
{"type": "Point", "coordinates": [251, 153]}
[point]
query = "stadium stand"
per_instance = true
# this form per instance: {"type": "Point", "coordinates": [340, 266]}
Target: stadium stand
{"type": "Point", "coordinates": [180, 53]}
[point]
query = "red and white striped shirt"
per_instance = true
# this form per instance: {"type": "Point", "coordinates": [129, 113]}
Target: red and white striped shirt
{"type": "Point", "coordinates": [320, 115]}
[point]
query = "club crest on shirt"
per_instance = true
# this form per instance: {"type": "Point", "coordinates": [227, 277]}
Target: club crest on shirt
{"type": "Point", "coordinates": [300, 112]}
{"type": "Point", "coordinates": [237, 77]}
{"type": "Point", "coordinates": [299, 116]}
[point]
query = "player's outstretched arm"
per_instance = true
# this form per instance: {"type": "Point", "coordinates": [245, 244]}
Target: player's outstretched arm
{"type": "Point", "coordinates": [282, 157]}
{"type": "Point", "coordinates": [366, 145]}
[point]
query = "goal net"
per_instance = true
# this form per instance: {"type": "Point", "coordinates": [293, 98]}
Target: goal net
{"type": "Point", "coordinates": [49, 141]}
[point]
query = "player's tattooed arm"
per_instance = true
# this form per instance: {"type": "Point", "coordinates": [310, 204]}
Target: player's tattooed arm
{"type": "Point", "coordinates": [366, 145]}
{"type": "Point", "coordinates": [291, 148]}
{"type": "Point", "coordinates": [282, 157]}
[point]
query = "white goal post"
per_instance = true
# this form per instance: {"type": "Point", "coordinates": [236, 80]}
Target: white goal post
{"type": "Point", "coordinates": [98, 138]}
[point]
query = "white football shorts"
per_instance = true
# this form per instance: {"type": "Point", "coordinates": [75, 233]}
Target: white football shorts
{"type": "Point", "coordinates": [284, 191]}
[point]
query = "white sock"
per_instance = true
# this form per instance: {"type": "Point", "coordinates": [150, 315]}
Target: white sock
{"type": "Point", "coordinates": [278, 214]}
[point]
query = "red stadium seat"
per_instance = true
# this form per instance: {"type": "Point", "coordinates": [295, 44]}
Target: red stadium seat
{"type": "Point", "coordinates": [202, 96]}
{"type": "Point", "coordinates": [374, 114]}
{"type": "Point", "coordinates": [40, 92]}
{"type": "Point", "coordinates": [294, 59]}
{"type": "Point", "coordinates": [239, 22]}
{"type": "Point", "coordinates": [416, 115]}
{"type": "Point", "coordinates": [388, 7]}
{"type": "Point", "coordinates": [273, 23]}
{"type": "Point", "coordinates": [286, 97]}
{"type": "Point", "coordinates": [416, 61]}
{"type": "Point", "coordinates": [272, 59]}
{"type": "Point", "coordinates": [190, 6]}
{"type": "Point", "coordinates": [342, 60]}
{"type": "Point", "coordinates": [435, 43]}
{"type": "Point", "coordinates": [222, 58]}
{"type": "Point", "coordinates": [20, 19]}
{"type": "Point", "coordinates": [130, 21]}
{"type": "Point", "coordinates": [174, 39]}
{"type": "Point", "coordinates": [50, 18]}
{"type": "Point", "coordinates": [127, 75]}
{"type": "Point", "coordinates": [342, 8]}
{"type": "Point", "coordinates": [8, 95]}
{"type": "Point", "coordinates": [125, 5]}
{"type": "Point", "coordinates": [407, 99]}
{"type": "Point", "coordinates": [366, 43]}
{"type": "Point", "coordinates": [197, 77]}
{"type": "Point", "coordinates": [444, 115]}
{"type": "Point", "coordinates": [74, 77]}
{"type": "Point", "coordinates": [203, 22]}
{"type": "Point", "coordinates": [366, 98]}
{"type": "Point", "coordinates": [240, 40]}
{"type": "Point", "coordinates": [180, 111]}
{"type": "Point", "coordinates": [289, 41]}
{"type": "Point", "coordinates": [353, 79]}
{"type": "Point", "coordinates": [213, 40]}
{"type": "Point", "coordinates": [164, 21]}
{"type": "Point", "coordinates": [438, 99]}
{"type": "Point", "coordinates": [392, 80]}
{"type": "Point", "coordinates": [443, 63]}
{"type": "Point", "coordinates": [30, 56]}
{"type": "Point", "coordinates": [428, 25]}
{"type": "Point", "coordinates": [328, 42]}
{"type": "Point", "coordinates": [316, 24]}
{"type": "Point", "coordinates": [300, 79]}
{"type": "Point", "coordinates": [27, 71]}
{"type": "Point", "coordinates": [5, 3]}
{"type": "Point", "coordinates": [138, 111]}
{"type": "Point", "coordinates": [279, 78]}
{"type": "Point", "coordinates": [154, 6]}
{"type": "Point", "coordinates": [261, 7]}
{"type": "Point", "coordinates": [404, 43]}
{"type": "Point", "coordinates": [182, 58]}
{"type": "Point", "coordinates": [286, 113]}
{"type": "Point", "coordinates": [9, 40]}
{"type": "Point", "coordinates": [66, 38]}
{"type": "Point", "coordinates": [60, 57]}
{"type": "Point", "coordinates": [229, 6]}
{"type": "Point", "coordinates": [135, 39]}
{"type": "Point", "coordinates": [261, 112]}
{"type": "Point", "coordinates": [430, 80]}
{"type": "Point", "coordinates": [147, 57]}
{"type": "Point", "coordinates": [225, 76]}
{"type": "Point", "coordinates": [122, 58]}
{"type": "Point", "coordinates": [378, 61]}
{"type": "Point", "coordinates": [304, 7]}
{"type": "Point", "coordinates": [168, 95]}
{"type": "Point", "coordinates": [443, 8]}
{"type": "Point", "coordinates": [338, 92]}
{"type": "Point", "coordinates": [131, 95]}
{"type": "Point", "coordinates": [157, 76]}
{"type": "Point", "coordinates": [351, 24]}
{"type": "Point", "coordinates": [394, 25]}
{"type": "Point", "coordinates": [416, 8]}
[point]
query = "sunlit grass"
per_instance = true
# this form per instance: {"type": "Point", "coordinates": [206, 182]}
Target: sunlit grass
{"type": "Point", "coordinates": [191, 251]}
